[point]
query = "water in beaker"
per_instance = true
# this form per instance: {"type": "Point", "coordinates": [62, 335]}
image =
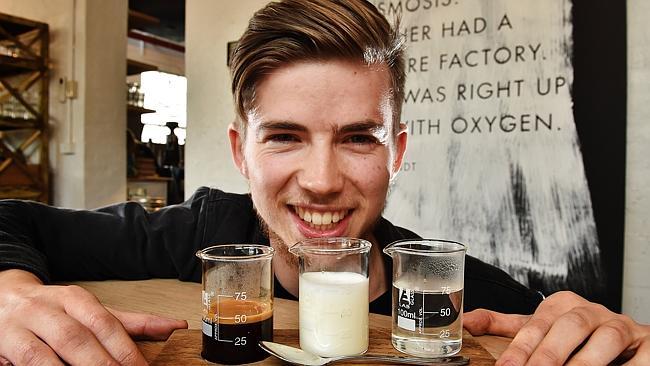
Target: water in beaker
{"type": "Point", "coordinates": [428, 281]}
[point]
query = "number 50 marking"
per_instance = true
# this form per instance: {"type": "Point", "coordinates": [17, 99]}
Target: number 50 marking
{"type": "Point", "coordinates": [240, 319]}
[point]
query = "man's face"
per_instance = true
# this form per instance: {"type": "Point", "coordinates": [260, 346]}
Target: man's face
{"type": "Point", "coordinates": [319, 149]}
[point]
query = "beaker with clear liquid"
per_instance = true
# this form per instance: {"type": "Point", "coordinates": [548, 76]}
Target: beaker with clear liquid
{"type": "Point", "coordinates": [333, 295]}
{"type": "Point", "coordinates": [428, 282]}
{"type": "Point", "coordinates": [237, 302]}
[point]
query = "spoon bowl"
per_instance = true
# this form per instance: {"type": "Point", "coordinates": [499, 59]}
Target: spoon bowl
{"type": "Point", "coordinates": [298, 356]}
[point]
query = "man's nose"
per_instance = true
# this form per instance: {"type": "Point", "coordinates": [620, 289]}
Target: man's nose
{"type": "Point", "coordinates": [321, 172]}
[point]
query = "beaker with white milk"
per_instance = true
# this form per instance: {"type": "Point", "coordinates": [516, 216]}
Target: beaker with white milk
{"type": "Point", "coordinates": [428, 282]}
{"type": "Point", "coordinates": [333, 295]}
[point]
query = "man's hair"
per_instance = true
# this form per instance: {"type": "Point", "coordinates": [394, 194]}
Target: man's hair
{"type": "Point", "coordinates": [290, 31]}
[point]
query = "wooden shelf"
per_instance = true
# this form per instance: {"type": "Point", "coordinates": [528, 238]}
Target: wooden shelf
{"type": "Point", "coordinates": [138, 19]}
{"type": "Point", "coordinates": [25, 193]}
{"type": "Point", "coordinates": [16, 26]}
{"type": "Point", "coordinates": [12, 65]}
{"type": "Point", "coordinates": [150, 179]}
{"type": "Point", "coordinates": [134, 67]}
{"type": "Point", "coordinates": [20, 184]}
{"type": "Point", "coordinates": [7, 123]}
{"type": "Point", "coordinates": [138, 110]}
{"type": "Point", "coordinates": [24, 160]}
{"type": "Point", "coordinates": [155, 40]}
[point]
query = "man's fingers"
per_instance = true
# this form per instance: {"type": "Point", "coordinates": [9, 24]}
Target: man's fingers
{"type": "Point", "coordinates": [36, 328]}
{"type": "Point", "coordinates": [605, 344]}
{"type": "Point", "coordinates": [106, 328]}
{"type": "Point", "coordinates": [526, 341]}
{"type": "Point", "coordinates": [559, 326]}
{"type": "Point", "coordinates": [533, 332]}
{"type": "Point", "coordinates": [146, 326]}
{"type": "Point", "coordinates": [21, 347]}
{"type": "Point", "coordinates": [71, 340]}
{"type": "Point", "coordinates": [642, 355]}
{"type": "Point", "coordinates": [567, 333]}
{"type": "Point", "coordinates": [481, 321]}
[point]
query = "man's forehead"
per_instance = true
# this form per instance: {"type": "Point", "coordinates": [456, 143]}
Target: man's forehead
{"type": "Point", "coordinates": [334, 94]}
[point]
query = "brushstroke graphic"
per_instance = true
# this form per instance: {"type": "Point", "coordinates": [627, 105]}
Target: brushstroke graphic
{"type": "Point", "coordinates": [494, 159]}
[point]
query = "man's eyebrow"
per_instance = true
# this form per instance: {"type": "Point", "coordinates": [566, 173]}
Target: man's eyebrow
{"type": "Point", "coordinates": [280, 125]}
{"type": "Point", "coordinates": [361, 126]}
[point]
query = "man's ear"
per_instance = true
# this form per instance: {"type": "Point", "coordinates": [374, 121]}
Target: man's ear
{"type": "Point", "coordinates": [237, 149]}
{"type": "Point", "coordinates": [400, 149]}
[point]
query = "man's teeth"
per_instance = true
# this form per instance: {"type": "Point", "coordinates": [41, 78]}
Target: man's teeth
{"type": "Point", "coordinates": [320, 218]}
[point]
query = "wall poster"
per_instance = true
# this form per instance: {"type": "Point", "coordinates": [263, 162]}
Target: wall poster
{"type": "Point", "coordinates": [495, 156]}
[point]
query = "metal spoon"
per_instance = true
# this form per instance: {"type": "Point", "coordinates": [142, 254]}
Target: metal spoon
{"type": "Point", "coordinates": [297, 356]}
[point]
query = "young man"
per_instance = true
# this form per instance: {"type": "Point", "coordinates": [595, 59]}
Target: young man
{"type": "Point", "coordinates": [318, 86]}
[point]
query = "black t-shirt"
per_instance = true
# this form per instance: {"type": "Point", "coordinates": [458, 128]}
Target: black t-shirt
{"type": "Point", "coordinates": [125, 242]}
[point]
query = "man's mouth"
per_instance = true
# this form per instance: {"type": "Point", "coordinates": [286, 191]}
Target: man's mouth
{"type": "Point", "coordinates": [320, 220]}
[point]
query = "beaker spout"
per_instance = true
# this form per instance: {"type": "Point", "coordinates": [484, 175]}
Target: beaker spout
{"type": "Point", "coordinates": [390, 249]}
{"type": "Point", "coordinates": [335, 246]}
{"type": "Point", "coordinates": [296, 249]}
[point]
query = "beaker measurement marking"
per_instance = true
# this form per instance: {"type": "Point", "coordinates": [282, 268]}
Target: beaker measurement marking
{"type": "Point", "coordinates": [240, 318]}
{"type": "Point", "coordinates": [207, 297]}
{"type": "Point", "coordinates": [444, 333]}
{"type": "Point", "coordinates": [216, 320]}
{"type": "Point", "coordinates": [443, 312]}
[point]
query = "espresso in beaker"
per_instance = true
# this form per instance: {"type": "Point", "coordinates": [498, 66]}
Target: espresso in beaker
{"type": "Point", "coordinates": [232, 330]}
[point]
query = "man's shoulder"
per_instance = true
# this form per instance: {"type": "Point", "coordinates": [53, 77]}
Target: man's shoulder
{"type": "Point", "coordinates": [209, 194]}
{"type": "Point", "coordinates": [226, 217]}
{"type": "Point", "coordinates": [386, 232]}
{"type": "Point", "coordinates": [223, 209]}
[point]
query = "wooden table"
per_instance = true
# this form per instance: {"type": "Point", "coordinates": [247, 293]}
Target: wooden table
{"type": "Point", "coordinates": [182, 300]}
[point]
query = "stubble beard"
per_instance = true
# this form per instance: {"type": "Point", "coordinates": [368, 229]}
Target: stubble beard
{"type": "Point", "coordinates": [281, 248]}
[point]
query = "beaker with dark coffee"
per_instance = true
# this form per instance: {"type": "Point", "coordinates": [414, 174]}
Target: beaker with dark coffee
{"type": "Point", "coordinates": [237, 302]}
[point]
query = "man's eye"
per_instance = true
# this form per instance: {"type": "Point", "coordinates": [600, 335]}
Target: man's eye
{"type": "Point", "coordinates": [361, 139]}
{"type": "Point", "coordinates": [282, 137]}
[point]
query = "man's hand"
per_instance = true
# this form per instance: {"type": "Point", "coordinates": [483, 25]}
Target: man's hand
{"type": "Point", "coordinates": [565, 328]}
{"type": "Point", "coordinates": [49, 325]}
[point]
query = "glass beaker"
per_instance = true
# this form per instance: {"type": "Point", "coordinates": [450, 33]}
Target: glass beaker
{"type": "Point", "coordinates": [428, 282]}
{"type": "Point", "coordinates": [333, 295]}
{"type": "Point", "coordinates": [237, 302]}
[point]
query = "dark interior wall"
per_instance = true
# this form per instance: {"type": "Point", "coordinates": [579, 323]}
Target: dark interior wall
{"type": "Point", "coordinates": [600, 99]}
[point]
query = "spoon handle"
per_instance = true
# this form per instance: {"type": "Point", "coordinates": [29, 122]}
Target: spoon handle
{"type": "Point", "coordinates": [441, 361]}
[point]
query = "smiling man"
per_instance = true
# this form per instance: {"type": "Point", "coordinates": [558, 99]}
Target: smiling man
{"type": "Point", "coordinates": [318, 89]}
{"type": "Point", "coordinates": [319, 150]}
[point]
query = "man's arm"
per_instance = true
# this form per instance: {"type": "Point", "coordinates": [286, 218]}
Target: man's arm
{"type": "Point", "coordinates": [46, 324]}
{"type": "Point", "coordinates": [121, 241]}
{"type": "Point", "coordinates": [565, 328]}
